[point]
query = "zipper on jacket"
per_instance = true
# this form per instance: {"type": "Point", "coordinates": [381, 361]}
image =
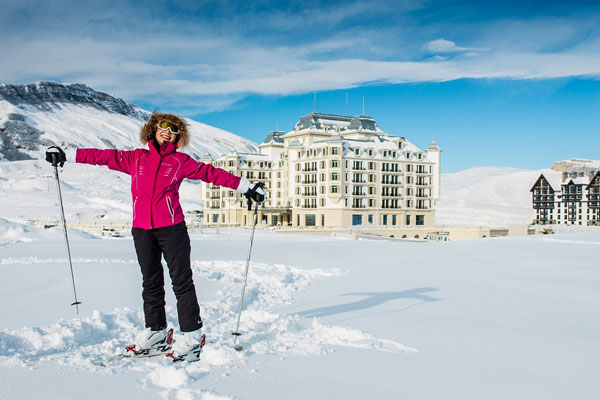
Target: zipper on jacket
{"type": "Point", "coordinates": [134, 201]}
{"type": "Point", "coordinates": [154, 188]}
{"type": "Point", "coordinates": [171, 211]}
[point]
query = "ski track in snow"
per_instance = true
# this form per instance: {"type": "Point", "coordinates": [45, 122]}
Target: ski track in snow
{"type": "Point", "coordinates": [93, 342]}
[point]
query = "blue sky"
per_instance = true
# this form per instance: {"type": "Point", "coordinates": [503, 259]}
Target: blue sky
{"type": "Point", "coordinates": [496, 83]}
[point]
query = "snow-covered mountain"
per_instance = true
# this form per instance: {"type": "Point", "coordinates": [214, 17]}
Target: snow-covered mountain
{"type": "Point", "coordinates": [35, 116]}
{"type": "Point", "coordinates": [488, 196]}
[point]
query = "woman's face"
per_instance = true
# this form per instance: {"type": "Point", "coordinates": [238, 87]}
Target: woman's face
{"type": "Point", "coordinates": [164, 135]}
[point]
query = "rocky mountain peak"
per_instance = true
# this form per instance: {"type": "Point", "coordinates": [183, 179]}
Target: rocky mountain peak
{"type": "Point", "coordinates": [46, 95]}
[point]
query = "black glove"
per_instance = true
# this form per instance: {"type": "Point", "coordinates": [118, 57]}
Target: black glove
{"type": "Point", "coordinates": [56, 156]}
{"type": "Point", "coordinates": [256, 193]}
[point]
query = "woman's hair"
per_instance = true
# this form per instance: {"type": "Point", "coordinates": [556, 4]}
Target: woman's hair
{"type": "Point", "coordinates": [148, 131]}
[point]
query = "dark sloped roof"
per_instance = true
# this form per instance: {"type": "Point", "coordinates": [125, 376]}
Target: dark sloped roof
{"type": "Point", "coordinates": [538, 180]}
{"type": "Point", "coordinates": [319, 121]}
{"type": "Point", "coordinates": [274, 136]}
{"type": "Point", "coordinates": [362, 123]}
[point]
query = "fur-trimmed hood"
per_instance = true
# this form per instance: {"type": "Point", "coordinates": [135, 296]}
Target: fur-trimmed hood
{"type": "Point", "coordinates": [148, 131]}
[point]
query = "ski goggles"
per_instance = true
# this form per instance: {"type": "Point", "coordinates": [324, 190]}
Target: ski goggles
{"type": "Point", "coordinates": [166, 125]}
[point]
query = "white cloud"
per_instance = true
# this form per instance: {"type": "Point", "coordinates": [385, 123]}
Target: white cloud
{"type": "Point", "coordinates": [448, 46]}
{"type": "Point", "coordinates": [224, 71]}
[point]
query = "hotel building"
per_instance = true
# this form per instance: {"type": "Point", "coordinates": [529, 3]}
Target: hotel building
{"type": "Point", "coordinates": [573, 199]}
{"type": "Point", "coordinates": [331, 171]}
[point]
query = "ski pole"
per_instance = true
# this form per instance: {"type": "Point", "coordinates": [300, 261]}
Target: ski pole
{"type": "Point", "coordinates": [237, 326]}
{"type": "Point", "coordinates": [53, 157]}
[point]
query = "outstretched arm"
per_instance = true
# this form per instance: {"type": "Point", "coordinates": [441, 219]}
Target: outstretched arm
{"type": "Point", "coordinates": [117, 160]}
{"type": "Point", "coordinates": [208, 173]}
{"type": "Point", "coordinates": [218, 176]}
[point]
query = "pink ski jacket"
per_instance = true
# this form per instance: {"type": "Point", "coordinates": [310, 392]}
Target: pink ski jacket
{"type": "Point", "coordinates": [155, 179]}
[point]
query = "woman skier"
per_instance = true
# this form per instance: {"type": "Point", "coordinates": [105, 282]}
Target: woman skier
{"type": "Point", "coordinates": [159, 229]}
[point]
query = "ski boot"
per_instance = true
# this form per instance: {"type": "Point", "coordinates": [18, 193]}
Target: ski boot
{"type": "Point", "coordinates": [151, 343]}
{"type": "Point", "coordinates": [188, 346]}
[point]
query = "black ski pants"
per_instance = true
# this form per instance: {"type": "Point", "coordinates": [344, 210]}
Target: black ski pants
{"type": "Point", "coordinates": [174, 243]}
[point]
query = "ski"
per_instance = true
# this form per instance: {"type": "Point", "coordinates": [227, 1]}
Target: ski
{"type": "Point", "coordinates": [131, 356]}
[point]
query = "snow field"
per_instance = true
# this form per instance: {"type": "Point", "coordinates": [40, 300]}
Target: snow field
{"type": "Point", "coordinates": [91, 342]}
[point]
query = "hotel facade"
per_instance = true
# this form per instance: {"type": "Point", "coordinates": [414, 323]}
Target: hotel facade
{"type": "Point", "coordinates": [573, 198]}
{"type": "Point", "coordinates": [331, 171]}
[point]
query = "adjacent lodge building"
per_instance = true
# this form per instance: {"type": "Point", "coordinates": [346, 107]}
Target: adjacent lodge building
{"type": "Point", "coordinates": [573, 199]}
{"type": "Point", "coordinates": [331, 171]}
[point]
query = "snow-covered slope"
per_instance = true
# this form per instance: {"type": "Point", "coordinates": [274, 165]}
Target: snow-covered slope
{"type": "Point", "coordinates": [489, 196]}
{"type": "Point", "coordinates": [35, 116]}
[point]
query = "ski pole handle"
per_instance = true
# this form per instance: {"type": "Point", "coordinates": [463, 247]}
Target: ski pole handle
{"type": "Point", "coordinates": [253, 194]}
{"type": "Point", "coordinates": [56, 156]}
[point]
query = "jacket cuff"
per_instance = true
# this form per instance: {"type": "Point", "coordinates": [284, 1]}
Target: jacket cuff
{"type": "Point", "coordinates": [71, 155]}
{"type": "Point", "coordinates": [243, 187]}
